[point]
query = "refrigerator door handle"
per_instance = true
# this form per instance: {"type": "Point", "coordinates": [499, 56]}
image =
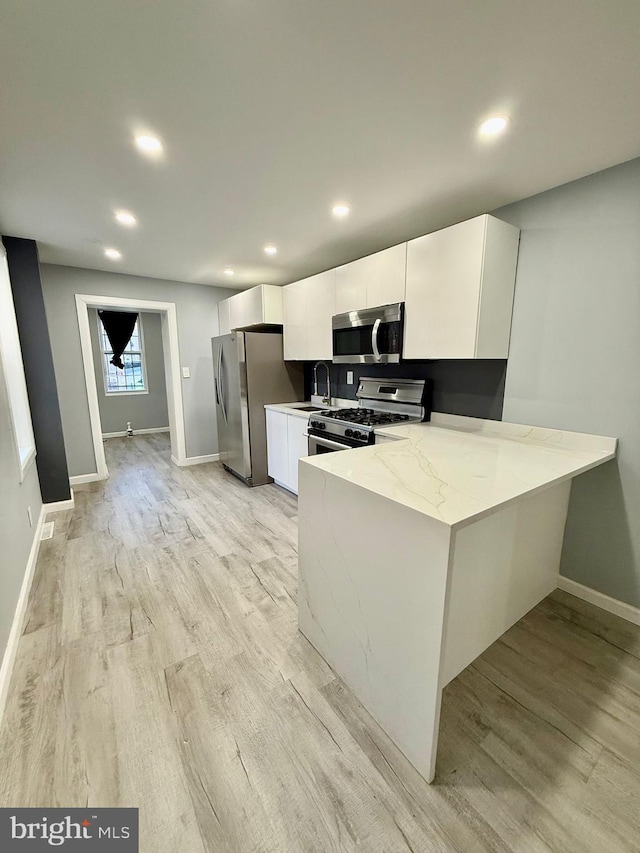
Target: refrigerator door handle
{"type": "Point", "coordinates": [216, 376]}
{"type": "Point", "coordinates": [221, 386]}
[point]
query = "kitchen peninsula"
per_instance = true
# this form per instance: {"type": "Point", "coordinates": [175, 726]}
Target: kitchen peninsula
{"type": "Point", "coordinates": [418, 552]}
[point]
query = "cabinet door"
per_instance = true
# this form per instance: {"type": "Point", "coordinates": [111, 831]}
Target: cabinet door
{"type": "Point", "coordinates": [294, 321]}
{"type": "Point", "coordinates": [246, 308]}
{"type": "Point", "coordinates": [298, 447]}
{"type": "Point", "coordinates": [320, 293]}
{"type": "Point", "coordinates": [236, 311]}
{"type": "Point", "coordinates": [386, 276]}
{"type": "Point", "coordinates": [443, 291]}
{"type": "Point", "coordinates": [351, 287]}
{"type": "Point", "coordinates": [277, 443]}
{"type": "Point", "coordinates": [271, 304]}
{"type": "Point", "coordinates": [224, 321]}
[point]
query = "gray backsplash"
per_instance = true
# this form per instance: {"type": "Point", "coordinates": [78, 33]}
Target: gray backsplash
{"type": "Point", "coordinates": [460, 387]}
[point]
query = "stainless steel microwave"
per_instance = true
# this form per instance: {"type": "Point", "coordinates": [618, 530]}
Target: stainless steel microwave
{"type": "Point", "coordinates": [370, 336]}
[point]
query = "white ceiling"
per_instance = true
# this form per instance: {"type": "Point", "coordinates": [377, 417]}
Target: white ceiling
{"type": "Point", "coordinates": [270, 112]}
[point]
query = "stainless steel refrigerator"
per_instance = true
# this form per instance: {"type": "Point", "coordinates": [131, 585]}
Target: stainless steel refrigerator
{"type": "Point", "coordinates": [250, 372]}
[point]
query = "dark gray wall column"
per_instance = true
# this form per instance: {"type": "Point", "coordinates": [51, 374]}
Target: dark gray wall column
{"type": "Point", "coordinates": [24, 270]}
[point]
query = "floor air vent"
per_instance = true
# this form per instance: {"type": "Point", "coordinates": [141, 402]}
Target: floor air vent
{"type": "Point", "coordinates": [47, 530]}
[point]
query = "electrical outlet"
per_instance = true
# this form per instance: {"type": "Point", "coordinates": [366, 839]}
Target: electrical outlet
{"type": "Point", "coordinates": [349, 377]}
{"type": "Point", "coordinates": [30, 516]}
{"type": "Point", "coordinates": [186, 373]}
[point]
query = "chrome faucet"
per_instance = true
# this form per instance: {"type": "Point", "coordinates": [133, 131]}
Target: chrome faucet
{"type": "Point", "coordinates": [327, 398]}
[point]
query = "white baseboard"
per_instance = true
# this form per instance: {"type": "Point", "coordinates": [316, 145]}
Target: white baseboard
{"type": "Point", "coordinates": [17, 625]}
{"type": "Point", "coordinates": [196, 460]}
{"type": "Point", "coordinates": [79, 479]}
{"type": "Point", "coordinates": [58, 506]}
{"type": "Point", "coordinates": [611, 605]}
{"type": "Point", "coordinates": [135, 432]}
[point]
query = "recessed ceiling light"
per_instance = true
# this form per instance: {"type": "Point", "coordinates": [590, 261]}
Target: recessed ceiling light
{"type": "Point", "coordinates": [270, 250]}
{"type": "Point", "coordinates": [114, 254]}
{"type": "Point", "coordinates": [493, 126]}
{"type": "Point", "coordinates": [340, 210]}
{"type": "Point", "coordinates": [229, 272]}
{"type": "Point", "coordinates": [125, 218]}
{"type": "Point", "coordinates": [149, 145]}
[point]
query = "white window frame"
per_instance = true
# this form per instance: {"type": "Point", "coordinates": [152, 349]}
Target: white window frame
{"type": "Point", "coordinates": [108, 392]}
{"type": "Point", "coordinates": [13, 372]}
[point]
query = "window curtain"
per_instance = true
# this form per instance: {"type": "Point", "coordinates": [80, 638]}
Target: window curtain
{"type": "Point", "coordinates": [119, 326]}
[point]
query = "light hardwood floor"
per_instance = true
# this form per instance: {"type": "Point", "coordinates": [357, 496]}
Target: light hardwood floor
{"type": "Point", "coordinates": [161, 668]}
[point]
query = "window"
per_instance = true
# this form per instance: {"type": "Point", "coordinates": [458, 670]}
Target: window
{"type": "Point", "coordinates": [14, 373]}
{"type": "Point", "coordinates": [133, 379]}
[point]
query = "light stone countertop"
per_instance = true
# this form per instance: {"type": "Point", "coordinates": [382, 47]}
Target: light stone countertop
{"type": "Point", "coordinates": [290, 409]}
{"type": "Point", "coordinates": [457, 469]}
{"type": "Point", "coordinates": [294, 408]}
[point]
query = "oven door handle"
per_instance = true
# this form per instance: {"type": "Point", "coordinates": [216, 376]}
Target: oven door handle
{"type": "Point", "coordinates": [374, 339]}
{"type": "Point", "coordinates": [326, 442]}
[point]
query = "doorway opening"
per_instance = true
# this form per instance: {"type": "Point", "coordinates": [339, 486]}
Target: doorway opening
{"type": "Point", "coordinates": [87, 307]}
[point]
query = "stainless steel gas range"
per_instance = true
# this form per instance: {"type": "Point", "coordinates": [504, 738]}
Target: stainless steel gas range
{"type": "Point", "coordinates": [382, 403]}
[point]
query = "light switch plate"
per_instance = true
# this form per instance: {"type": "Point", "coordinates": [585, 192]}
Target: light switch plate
{"type": "Point", "coordinates": [186, 373]}
{"type": "Point", "coordinates": [349, 377]}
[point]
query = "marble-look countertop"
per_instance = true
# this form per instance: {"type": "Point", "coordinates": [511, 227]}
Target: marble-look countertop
{"type": "Point", "coordinates": [457, 470]}
{"type": "Point", "coordinates": [290, 409]}
{"type": "Point", "coordinates": [294, 408]}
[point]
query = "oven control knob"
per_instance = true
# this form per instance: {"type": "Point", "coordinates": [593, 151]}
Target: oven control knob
{"type": "Point", "coordinates": [349, 433]}
{"type": "Point", "coordinates": [357, 434]}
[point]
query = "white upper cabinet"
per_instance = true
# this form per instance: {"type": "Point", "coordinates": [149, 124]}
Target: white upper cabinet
{"type": "Point", "coordinates": [459, 291]}
{"type": "Point", "coordinates": [224, 319]}
{"type": "Point", "coordinates": [294, 316]}
{"type": "Point", "coordinates": [258, 306]}
{"type": "Point", "coordinates": [321, 306]}
{"type": "Point", "coordinates": [351, 287]}
{"type": "Point", "coordinates": [369, 282]}
{"type": "Point", "coordinates": [308, 307]}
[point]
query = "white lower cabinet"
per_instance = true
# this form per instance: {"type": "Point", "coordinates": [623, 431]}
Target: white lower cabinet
{"type": "Point", "coordinates": [297, 447]}
{"type": "Point", "coordinates": [277, 444]}
{"type": "Point", "coordinates": [286, 444]}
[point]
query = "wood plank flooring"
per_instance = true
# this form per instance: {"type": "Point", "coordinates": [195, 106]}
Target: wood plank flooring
{"type": "Point", "coordinates": [160, 667]}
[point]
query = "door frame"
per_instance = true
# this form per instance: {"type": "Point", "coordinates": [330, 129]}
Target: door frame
{"type": "Point", "coordinates": [171, 350]}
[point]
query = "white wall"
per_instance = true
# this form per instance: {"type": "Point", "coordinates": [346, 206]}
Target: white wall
{"type": "Point", "coordinates": [196, 307]}
{"type": "Point", "coordinates": [16, 535]}
{"type": "Point", "coordinates": [144, 411]}
{"type": "Point", "coordinates": [574, 361]}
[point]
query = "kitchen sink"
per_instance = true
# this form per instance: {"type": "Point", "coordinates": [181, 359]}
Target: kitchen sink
{"type": "Point", "coordinates": [307, 408]}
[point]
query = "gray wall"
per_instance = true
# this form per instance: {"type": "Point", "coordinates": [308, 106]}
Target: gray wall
{"type": "Point", "coordinates": [196, 307]}
{"type": "Point", "coordinates": [145, 411]}
{"type": "Point", "coordinates": [574, 360]}
{"type": "Point", "coordinates": [15, 533]}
